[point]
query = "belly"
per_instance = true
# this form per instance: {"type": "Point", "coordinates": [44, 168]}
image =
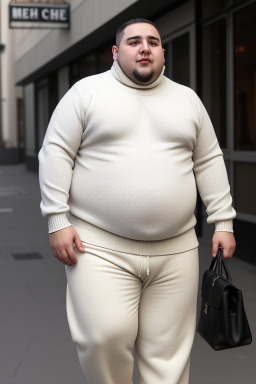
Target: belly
{"type": "Point", "coordinates": [142, 200]}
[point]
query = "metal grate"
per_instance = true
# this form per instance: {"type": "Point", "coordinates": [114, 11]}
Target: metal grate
{"type": "Point", "coordinates": [27, 256]}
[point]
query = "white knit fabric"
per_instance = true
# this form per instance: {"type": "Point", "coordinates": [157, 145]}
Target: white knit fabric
{"type": "Point", "coordinates": [133, 149]}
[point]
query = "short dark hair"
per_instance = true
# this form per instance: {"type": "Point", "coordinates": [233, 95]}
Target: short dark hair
{"type": "Point", "coordinates": [119, 32]}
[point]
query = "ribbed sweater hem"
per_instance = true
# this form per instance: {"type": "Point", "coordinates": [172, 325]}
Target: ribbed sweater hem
{"type": "Point", "coordinates": [92, 234]}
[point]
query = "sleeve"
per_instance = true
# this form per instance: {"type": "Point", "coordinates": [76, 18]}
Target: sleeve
{"type": "Point", "coordinates": [211, 175]}
{"type": "Point", "coordinates": [56, 159]}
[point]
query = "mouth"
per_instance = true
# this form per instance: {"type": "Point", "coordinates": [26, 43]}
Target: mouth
{"type": "Point", "coordinates": [144, 60]}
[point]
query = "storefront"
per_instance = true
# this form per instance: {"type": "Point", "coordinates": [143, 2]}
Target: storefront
{"type": "Point", "coordinates": [210, 46]}
{"type": "Point", "coordinates": [228, 90]}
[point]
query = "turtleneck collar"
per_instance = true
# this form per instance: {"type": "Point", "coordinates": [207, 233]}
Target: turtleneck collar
{"type": "Point", "coordinates": [118, 73]}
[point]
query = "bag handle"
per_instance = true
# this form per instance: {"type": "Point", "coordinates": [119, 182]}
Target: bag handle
{"type": "Point", "coordinates": [217, 263]}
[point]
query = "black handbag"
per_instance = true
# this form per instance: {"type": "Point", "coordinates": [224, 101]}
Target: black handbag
{"type": "Point", "coordinates": [222, 321]}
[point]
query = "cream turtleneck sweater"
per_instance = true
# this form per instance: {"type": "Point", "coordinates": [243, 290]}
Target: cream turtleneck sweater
{"type": "Point", "coordinates": [117, 163]}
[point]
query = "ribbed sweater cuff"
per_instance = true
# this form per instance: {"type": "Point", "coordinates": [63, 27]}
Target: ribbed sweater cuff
{"type": "Point", "coordinates": [225, 225]}
{"type": "Point", "coordinates": [57, 222]}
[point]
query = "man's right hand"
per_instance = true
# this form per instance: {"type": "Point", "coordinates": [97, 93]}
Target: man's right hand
{"type": "Point", "coordinates": [62, 242]}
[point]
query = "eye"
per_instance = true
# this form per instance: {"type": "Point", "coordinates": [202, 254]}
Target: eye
{"type": "Point", "coordinates": [134, 43]}
{"type": "Point", "coordinates": [153, 43]}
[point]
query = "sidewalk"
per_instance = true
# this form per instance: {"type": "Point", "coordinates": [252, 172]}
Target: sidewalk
{"type": "Point", "coordinates": [35, 343]}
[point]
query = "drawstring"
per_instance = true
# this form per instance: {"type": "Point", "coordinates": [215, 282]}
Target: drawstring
{"type": "Point", "coordinates": [141, 265]}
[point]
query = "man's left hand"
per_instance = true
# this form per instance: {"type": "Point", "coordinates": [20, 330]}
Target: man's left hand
{"type": "Point", "coordinates": [223, 240]}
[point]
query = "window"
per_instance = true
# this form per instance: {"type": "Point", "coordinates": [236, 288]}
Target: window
{"type": "Point", "coordinates": [245, 78]}
{"type": "Point", "coordinates": [42, 110]}
{"type": "Point", "coordinates": [52, 91]}
{"type": "Point", "coordinates": [214, 77]}
{"type": "Point", "coordinates": [245, 187]}
{"type": "Point", "coordinates": [85, 66]}
{"type": "Point", "coordinates": [180, 59]}
{"type": "Point", "coordinates": [20, 129]}
{"type": "Point", "coordinates": [46, 101]}
{"type": "Point", "coordinates": [210, 7]}
{"type": "Point", "coordinates": [96, 62]}
{"type": "Point", "coordinates": [177, 55]}
{"type": "Point", "coordinates": [105, 58]}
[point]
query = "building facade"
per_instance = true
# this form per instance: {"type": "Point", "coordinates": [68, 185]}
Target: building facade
{"type": "Point", "coordinates": [12, 145]}
{"type": "Point", "coordinates": [210, 46]}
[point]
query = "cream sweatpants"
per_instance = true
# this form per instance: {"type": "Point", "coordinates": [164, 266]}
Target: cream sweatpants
{"type": "Point", "coordinates": [117, 300]}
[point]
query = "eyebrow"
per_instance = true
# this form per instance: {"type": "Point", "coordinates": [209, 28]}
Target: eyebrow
{"type": "Point", "coordinates": [139, 37]}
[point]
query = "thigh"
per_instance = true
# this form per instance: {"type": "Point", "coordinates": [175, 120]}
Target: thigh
{"type": "Point", "coordinates": [103, 296]}
{"type": "Point", "coordinates": [170, 291]}
{"type": "Point", "coordinates": [167, 317]}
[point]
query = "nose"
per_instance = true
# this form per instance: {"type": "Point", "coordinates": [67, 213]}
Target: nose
{"type": "Point", "coordinates": [145, 48]}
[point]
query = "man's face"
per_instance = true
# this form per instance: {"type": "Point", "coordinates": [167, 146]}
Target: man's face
{"type": "Point", "coordinates": [140, 53]}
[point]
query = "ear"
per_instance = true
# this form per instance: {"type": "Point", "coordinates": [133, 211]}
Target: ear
{"type": "Point", "coordinates": [115, 52]}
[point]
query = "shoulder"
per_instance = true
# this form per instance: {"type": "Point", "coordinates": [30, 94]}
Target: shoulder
{"type": "Point", "coordinates": [181, 89]}
{"type": "Point", "coordinates": [184, 94]}
{"type": "Point", "coordinates": [81, 93]}
{"type": "Point", "coordinates": [92, 82]}
{"type": "Point", "coordinates": [83, 90]}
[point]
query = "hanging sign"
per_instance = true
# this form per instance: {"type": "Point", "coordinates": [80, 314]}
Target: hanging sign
{"type": "Point", "coordinates": [27, 15]}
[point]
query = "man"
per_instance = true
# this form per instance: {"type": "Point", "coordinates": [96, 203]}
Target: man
{"type": "Point", "coordinates": [118, 189]}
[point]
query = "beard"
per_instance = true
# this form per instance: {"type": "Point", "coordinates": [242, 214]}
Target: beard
{"type": "Point", "coordinates": [143, 78]}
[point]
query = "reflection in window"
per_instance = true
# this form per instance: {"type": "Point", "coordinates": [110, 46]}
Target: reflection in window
{"type": "Point", "coordinates": [214, 77]}
{"type": "Point", "coordinates": [210, 7]}
{"type": "Point", "coordinates": [245, 78]}
{"type": "Point", "coordinates": [245, 197]}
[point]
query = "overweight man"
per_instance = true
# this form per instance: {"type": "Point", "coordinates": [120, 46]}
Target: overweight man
{"type": "Point", "coordinates": [121, 158]}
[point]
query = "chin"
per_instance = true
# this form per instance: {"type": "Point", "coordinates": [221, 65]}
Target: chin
{"type": "Point", "coordinates": [143, 77]}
